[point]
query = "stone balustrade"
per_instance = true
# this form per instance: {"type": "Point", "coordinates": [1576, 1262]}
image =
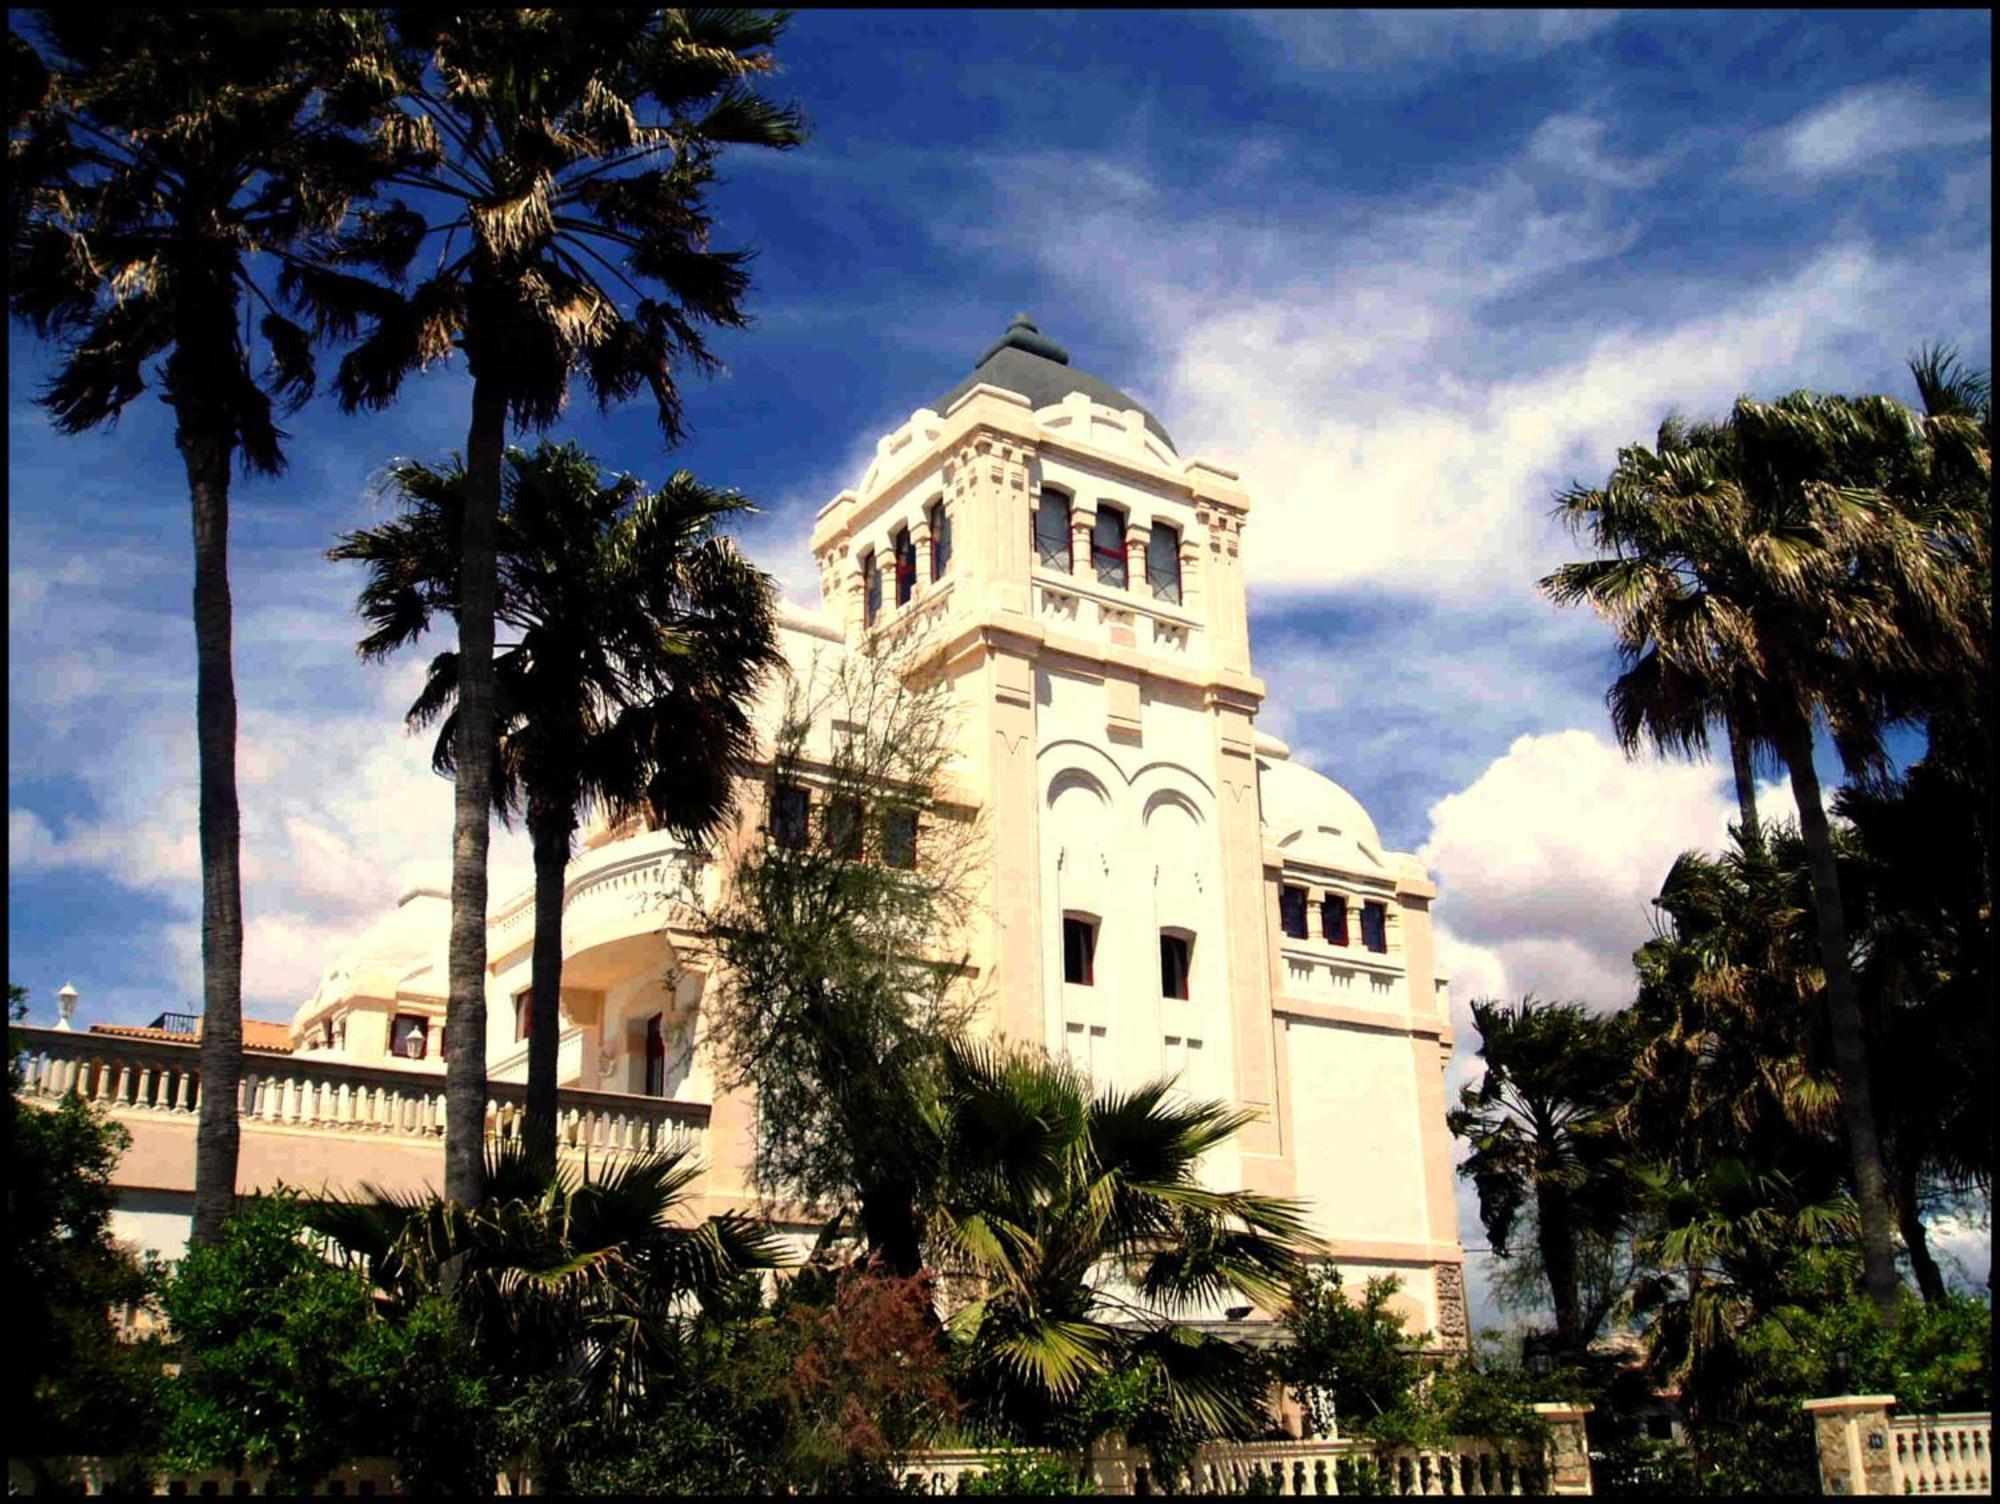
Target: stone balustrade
{"type": "Point", "coordinates": [1942, 1454]}
{"type": "Point", "coordinates": [152, 1078]}
{"type": "Point", "coordinates": [1863, 1451]}
{"type": "Point", "coordinates": [1293, 1468]}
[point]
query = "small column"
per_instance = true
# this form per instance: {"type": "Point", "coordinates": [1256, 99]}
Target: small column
{"type": "Point", "coordinates": [1137, 534]}
{"type": "Point", "coordinates": [1568, 1454]}
{"type": "Point", "coordinates": [1082, 522]}
{"type": "Point", "coordinates": [1851, 1436]}
{"type": "Point", "coordinates": [920, 543]}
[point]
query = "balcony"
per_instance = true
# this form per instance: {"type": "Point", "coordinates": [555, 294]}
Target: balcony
{"type": "Point", "coordinates": [153, 1087]}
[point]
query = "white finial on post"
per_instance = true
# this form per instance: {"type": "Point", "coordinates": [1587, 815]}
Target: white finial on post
{"type": "Point", "coordinates": [65, 1005]}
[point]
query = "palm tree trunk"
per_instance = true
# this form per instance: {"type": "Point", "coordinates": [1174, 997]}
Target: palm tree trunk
{"type": "Point", "coordinates": [551, 836]}
{"type": "Point", "coordinates": [206, 451]}
{"type": "Point", "coordinates": [1557, 1240]}
{"type": "Point", "coordinates": [1741, 764]}
{"type": "Point", "coordinates": [472, 802]}
{"type": "Point", "coordinates": [1850, 1048]}
{"type": "Point", "coordinates": [1930, 1279]}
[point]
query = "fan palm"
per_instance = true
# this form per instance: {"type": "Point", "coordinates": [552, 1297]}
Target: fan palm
{"type": "Point", "coordinates": [1826, 570]}
{"type": "Point", "coordinates": [1721, 1243]}
{"type": "Point", "coordinates": [153, 160]}
{"type": "Point", "coordinates": [1537, 1122]}
{"type": "Point", "coordinates": [1079, 1227]}
{"type": "Point", "coordinates": [1728, 1048]}
{"type": "Point", "coordinates": [557, 1273]}
{"type": "Point", "coordinates": [641, 636]}
{"type": "Point", "coordinates": [548, 197]}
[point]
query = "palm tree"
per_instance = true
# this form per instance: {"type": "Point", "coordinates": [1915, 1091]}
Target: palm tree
{"type": "Point", "coordinates": [1824, 572]}
{"type": "Point", "coordinates": [1079, 1226]}
{"type": "Point", "coordinates": [1537, 1123]}
{"type": "Point", "coordinates": [1727, 1047]}
{"type": "Point", "coordinates": [556, 1273]}
{"type": "Point", "coordinates": [547, 195]}
{"type": "Point", "coordinates": [641, 637]}
{"type": "Point", "coordinates": [155, 157]}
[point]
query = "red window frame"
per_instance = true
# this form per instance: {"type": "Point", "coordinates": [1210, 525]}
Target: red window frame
{"type": "Point", "coordinates": [421, 1033]}
{"type": "Point", "coordinates": [904, 552]}
{"type": "Point", "coordinates": [788, 829]}
{"type": "Point", "coordinates": [1375, 936]}
{"type": "Point", "coordinates": [1163, 562]}
{"type": "Point", "coordinates": [871, 589]}
{"type": "Point", "coordinates": [1112, 567]}
{"type": "Point", "coordinates": [1292, 911]}
{"type": "Point", "coordinates": [899, 839]}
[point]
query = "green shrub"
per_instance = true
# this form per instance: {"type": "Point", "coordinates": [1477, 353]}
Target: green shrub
{"type": "Point", "coordinates": [1043, 1474]}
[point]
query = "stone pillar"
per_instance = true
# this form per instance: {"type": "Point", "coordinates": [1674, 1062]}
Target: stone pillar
{"type": "Point", "coordinates": [1081, 521]}
{"type": "Point", "coordinates": [920, 543]}
{"type": "Point", "coordinates": [1568, 1455]}
{"type": "Point", "coordinates": [1851, 1436]}
{"type": "Point", "coordinates": [1136, 536]}
{"type": "Point", "coordinates": [1448, 1290]}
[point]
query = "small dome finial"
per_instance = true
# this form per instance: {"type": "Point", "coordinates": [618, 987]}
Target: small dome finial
{"type": "Point", "coordinates": [1023, 335]}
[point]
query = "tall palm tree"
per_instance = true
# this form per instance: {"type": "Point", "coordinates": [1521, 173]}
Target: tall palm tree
{"type": "Point", "coordinates": [1079, 1226]}
{"type": "Point", "coordinates": [641, 635]}
{"type": "Point", "coordinates": [156, 157]}
{"type": "Point", "coordinates": [563, 158]}
{"type": "Point", "coordinates": [1538, 1125]}
{"type": "Point", "coordinates": [1823, 573]}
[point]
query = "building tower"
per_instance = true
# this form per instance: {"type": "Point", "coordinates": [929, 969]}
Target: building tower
{"type": "Point", "coordinates": [1168, 891]}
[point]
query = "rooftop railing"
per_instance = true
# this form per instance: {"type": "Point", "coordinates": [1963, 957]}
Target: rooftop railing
{"type": "Point", "coordinates": [162, 1078]}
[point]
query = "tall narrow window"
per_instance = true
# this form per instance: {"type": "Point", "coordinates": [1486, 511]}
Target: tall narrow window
{"type": "Point", "coordinates": [906, 566]}
{"type": "Point", "coordinates": [791, 808]}
{"type": "Point", "coordinates": [523, 1014]}
{"type": "Point", "coordinates": [871, 586]}
{"type": "Point", "coordinates": [1163, 562]}
{"type": "Point", "coordinates": [1292, 912]}
{"type": "Point", "coordinates": [1079, 950]}
{"type": "Point", "coordinates": [1052, 531]}
{"type": "Point", "coordinates": [1107, 546]}
{"type": "Point", "coordinates": [1375, 927]}
{"type": "Point", "coordinates": [656, 1055]}
{"type": "Point", "coordinates": [899, 838]}
{"type": "Point", "coordinates": [843, 828]}
{"type": "Point", "coordinates": [1333, 919]}
{"type": "Point", "coordinates": [1175, 953]}
{"type": "Point", "coordinates": [940, 521]}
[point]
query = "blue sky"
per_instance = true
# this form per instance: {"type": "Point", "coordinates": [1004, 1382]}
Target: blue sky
{"type": "Point", "coordinates": [1410, 272]}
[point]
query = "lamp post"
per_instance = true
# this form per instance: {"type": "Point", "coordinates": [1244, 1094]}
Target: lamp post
{"type": "Point", "coordinates": [65, 1005]}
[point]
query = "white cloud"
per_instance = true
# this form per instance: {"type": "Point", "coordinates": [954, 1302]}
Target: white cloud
{"type": "Point", "coordinates": [1362, 41]}
{"type": "Point", "coordinates": [1549, 860]}
{"type": "Point", "coordinates": [1573, 146]}
{"type": "Point", "coordinates": [1863, 127]}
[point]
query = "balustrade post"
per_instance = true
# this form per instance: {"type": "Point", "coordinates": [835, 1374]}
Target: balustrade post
{"type": "Point", "coordinates": [1851, 1437]}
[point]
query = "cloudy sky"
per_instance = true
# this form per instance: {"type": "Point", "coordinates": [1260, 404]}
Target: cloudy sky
{"type": "Point", "coordinates": [1410, 272]}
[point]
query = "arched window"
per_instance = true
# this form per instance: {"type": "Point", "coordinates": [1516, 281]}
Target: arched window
{"type": "Point", "coordinates": [906, 565]}
{"type": "Point", "coordinates": [1163, 562]}
{"type": "Point", "coordinates": [940, 521]}
{"type": "Point", "coordinates": [871, 585]}
{"type": "Point", "coordinates": [1107, 546]}
{"type": "Point", "coordinates": [1052, 531]}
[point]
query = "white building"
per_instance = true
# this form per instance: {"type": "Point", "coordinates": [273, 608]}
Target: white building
{"type": "Point", "coordinates": [1168, 891]}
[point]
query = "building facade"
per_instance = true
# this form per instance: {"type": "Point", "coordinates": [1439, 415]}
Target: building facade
{"type": "Point", "coordinates": [1164, 891]}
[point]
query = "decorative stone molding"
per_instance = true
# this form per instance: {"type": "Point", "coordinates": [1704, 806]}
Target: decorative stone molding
{"type": "Point", "coordinates": [1451, 1323]}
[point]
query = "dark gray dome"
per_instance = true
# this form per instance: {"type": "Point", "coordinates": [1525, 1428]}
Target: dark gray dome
{"type": "Point", "coordinates": [1027, 361]}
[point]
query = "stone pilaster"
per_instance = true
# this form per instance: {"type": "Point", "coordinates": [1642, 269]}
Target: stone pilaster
{"type": "Point", "coordinates": [1448, 1286]}
{"type": "Point", "coordinates": [1568, 1456]}
{"type": "Point", "coordinates": [1851, 1436]}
